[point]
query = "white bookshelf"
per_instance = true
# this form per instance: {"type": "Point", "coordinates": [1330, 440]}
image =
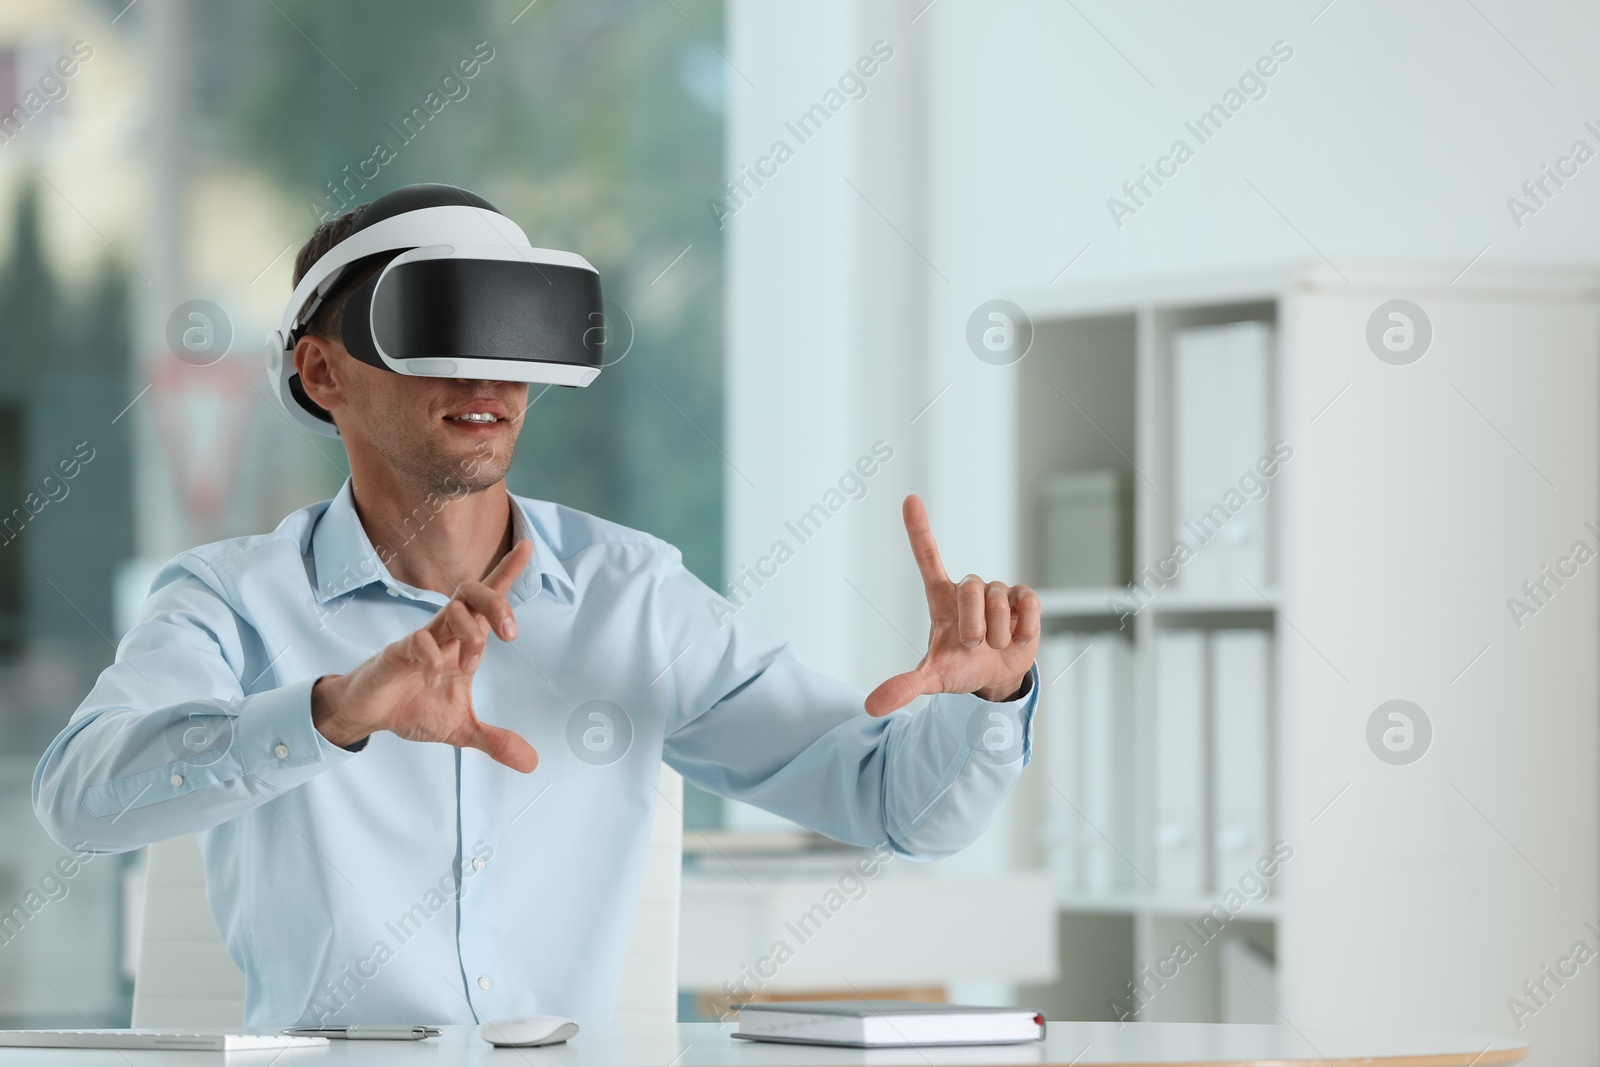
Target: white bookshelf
{"type": "Point", "coordinates": [1094, 392]}
{"type": "Point", "coordinates": [1352, 898]}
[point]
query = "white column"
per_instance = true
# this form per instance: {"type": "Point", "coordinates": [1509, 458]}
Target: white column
{"type": "Point", "coordinates": [825, 319]}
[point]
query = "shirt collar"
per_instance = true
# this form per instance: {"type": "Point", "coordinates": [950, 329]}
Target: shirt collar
{"type": "Point", "coordinates": [345, 559]}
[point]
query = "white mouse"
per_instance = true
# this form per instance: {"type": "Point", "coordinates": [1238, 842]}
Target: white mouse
{"type": "Point", "coordinates": [527, 1031]}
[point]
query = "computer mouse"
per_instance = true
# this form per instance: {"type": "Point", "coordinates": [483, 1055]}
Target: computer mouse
{"type": "Point", "coordinates": [527, 1031]}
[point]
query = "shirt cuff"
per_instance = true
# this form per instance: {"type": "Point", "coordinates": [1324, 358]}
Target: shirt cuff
{"type": "Point", "coordinates": [272, 739]}
{"type": "Point", "coordinates": [277, 741]}
{"type": "Point", "coordinates": [997, 731]}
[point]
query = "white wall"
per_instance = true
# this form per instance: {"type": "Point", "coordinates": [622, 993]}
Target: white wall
{"type": "Point", "coordinates": [824, 321]}
{"type": "Point", "coordinates": [1395, 130]}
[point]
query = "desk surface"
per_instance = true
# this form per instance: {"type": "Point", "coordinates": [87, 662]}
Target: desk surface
{"type": "Point", "coordinates": [708, 1045]}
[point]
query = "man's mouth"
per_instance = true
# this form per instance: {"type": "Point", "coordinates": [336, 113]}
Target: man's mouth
{"type": "Point", "coordinates": [483, 415]}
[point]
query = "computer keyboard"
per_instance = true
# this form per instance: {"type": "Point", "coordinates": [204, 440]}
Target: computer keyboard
{"type": "Point", "coordinates": [201, 1040]}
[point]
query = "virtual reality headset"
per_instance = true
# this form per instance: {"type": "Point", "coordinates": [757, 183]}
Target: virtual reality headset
{"type": "Point", "coordinates": [465, 295]}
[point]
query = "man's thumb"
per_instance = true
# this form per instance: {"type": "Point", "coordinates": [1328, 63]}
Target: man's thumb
{"type": "Point", "coordinates": [505, 747]}
{"type": "Point", "coordinates": [896, 693]}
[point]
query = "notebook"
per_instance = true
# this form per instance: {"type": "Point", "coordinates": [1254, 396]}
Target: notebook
{"type": "Point", "coordinates": [886, 1023]}
{"type": "Point", "coordinates": [197, 1040]}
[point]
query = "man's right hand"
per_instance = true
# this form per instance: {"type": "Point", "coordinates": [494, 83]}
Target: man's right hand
{"type": "Point", "coordinates": [420, 687]}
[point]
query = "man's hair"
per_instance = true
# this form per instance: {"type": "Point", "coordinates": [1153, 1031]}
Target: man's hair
{"type": "Point", "coordinates": [325, 322]}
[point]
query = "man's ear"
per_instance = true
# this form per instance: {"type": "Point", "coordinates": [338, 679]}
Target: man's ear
{"type": "Point", "coordinates": [315, 359]}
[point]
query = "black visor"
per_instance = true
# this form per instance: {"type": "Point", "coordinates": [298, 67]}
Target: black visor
{"type": "Point", "coordinates": [462, 308]}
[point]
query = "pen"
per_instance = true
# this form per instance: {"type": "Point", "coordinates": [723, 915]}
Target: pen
{"type": "Point", "coordinates": [365, 1033]}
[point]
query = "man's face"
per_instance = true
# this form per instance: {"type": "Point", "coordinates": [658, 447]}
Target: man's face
{"type": "Point", "coordinates": [420, 426]}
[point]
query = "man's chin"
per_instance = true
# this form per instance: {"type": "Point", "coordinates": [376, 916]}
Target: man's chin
{"type": "Point", "coordinates": [455, 482]}
{"type": "Point", "coordinates": [472, 462]}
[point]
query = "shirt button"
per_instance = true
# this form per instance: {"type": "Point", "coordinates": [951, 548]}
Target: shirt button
{"type": "Point", "coordinates": [477, 863]}
{"type": "Point", "coordinates": [177, 779]}
{"type": "Point", "coordinates": [393, 591]}
{"type": "Point", "coordinates": [484, 983]}
{"type": "Point", "coordinates": [282, 751]}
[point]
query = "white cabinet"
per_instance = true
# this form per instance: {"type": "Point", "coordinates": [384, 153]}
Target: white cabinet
{"type": "Point", "coordinates": [780, 928]}
{"type": "Point", "coordinates": [1443, 452]}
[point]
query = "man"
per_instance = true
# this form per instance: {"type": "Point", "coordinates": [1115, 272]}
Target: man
{"type": "Point", "coordinates": [406, 821]}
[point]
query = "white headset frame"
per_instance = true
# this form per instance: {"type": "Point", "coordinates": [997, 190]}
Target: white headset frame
{"type": "Point", "coordinates": [427, 233]}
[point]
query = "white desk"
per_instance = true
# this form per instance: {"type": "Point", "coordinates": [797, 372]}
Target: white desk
{"type": "Point", "coordinates": [708, 1045]}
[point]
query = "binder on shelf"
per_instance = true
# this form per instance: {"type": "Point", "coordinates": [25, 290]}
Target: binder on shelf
{"type": "Point", "coordinates": [1182, 737]}
{"type": "Point", "coordinates": [1108, 763]}
{"type": "Point", "coordinates": [1084, 525]}
{"type": "Point", "coordinates": [1058, 730]}
{"type": "Point", "coordinates": [1241, 674]}
{"type": "Point", "coordinates": [1220, 430]}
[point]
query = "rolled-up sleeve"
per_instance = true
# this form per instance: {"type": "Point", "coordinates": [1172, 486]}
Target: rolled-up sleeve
{"type": "Point", "coordinates": [753, 723]}
{"type": "Point", "coordinates": [168, 742]}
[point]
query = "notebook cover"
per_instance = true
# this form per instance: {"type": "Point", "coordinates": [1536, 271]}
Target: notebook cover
{"type": "Point", "coordinates": [884, 1009]}
{"type": "Point", "coordinates": [862, 1009]}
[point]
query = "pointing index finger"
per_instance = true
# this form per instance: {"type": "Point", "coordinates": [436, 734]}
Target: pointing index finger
{"type": "Point", "coordinates": [923, 546]}
{"type": "Point", "coordinates": [511, 564]}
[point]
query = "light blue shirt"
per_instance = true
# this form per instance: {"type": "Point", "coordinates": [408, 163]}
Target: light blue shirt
{"type": "Point", "coordinates": [411, 882]}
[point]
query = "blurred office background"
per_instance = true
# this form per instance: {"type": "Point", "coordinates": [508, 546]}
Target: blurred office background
{"type": "Point", "coordinates": [1081, 274]}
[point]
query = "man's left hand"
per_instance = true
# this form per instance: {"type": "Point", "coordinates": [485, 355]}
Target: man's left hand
{"type": "Point", "coordinates": [983, 634]}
